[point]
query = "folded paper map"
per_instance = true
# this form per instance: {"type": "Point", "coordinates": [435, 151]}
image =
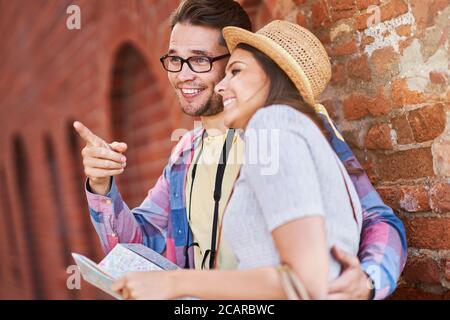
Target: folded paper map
{"type": "Point", "coordinates": [122, 259]}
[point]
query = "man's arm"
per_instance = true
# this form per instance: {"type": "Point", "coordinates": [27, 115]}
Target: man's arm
{"type": "Point", "coordinates": [112, 219]}
{"type": "Point", "coordinates": [116, 223]}
{"type": "Point", "coordinates": [383, 246]}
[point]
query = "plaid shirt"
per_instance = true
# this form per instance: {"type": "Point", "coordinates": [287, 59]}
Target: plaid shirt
{"type": "Point", "coordinates": [160, 222]}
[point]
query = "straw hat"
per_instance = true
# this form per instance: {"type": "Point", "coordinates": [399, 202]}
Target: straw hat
{"type": "Point", "coordinates": [296, 50]}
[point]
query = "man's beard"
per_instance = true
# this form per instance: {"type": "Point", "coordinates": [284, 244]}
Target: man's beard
{"type": "Point", "coordinates": [211, 107]}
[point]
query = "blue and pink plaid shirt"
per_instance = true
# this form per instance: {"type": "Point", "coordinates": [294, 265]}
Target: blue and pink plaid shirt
{"type": "Point", "coordinates": [161, 224]}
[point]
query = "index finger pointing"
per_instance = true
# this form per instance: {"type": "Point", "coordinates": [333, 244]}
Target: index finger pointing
{"type": "Point", "coordinates": [87, 135]}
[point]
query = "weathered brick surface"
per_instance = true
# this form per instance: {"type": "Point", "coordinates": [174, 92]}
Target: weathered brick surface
{"type": "Point", "coordinates": [379, 137]}
{"type": "Point", "coordinates": [408, 198]}
{"type": "Point", "coordinates": [422, 269]}
{"type": "Point", "coordinates": [428, 233]}
{"type": "Point", "coordinates": [106, 75]}
{"type": "Point", "coordinates": [407, 165]}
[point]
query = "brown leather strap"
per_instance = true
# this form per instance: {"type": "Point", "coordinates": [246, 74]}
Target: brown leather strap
{"type": "Point", "coordinates": [292, 286]}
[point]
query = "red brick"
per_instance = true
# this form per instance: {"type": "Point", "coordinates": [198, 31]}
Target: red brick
{"type": "Point", "coordinates": [437, 77]}
{"type": "Point", "coordinates": [352, 137]}
{"type": "Point", "coordinates": [391, 196]}
{"type": "Point", "coordinates": [380, 104]}
{"type": "Point", "coordinates": [404, 30]}
{"type": "Point", "coordinates": [428, 232]}
{"type": "Point", "coordinates": [342, 14]}
{"type": "Point", "coordinates": [414, 199]}
{"type": "Point", "coordinates": [440, 197]}
{"type": "Point", "coordinates": [441, 151]}
{"type": "Point", "coordinates": [359, 68]}
{"type": "Point", "coordinates": [301, 19]}
{"type": "Point", "coordinates": [403, 129]}
{"type": "Point", "coordinates": [249, 3]}
{"type": "Point", "coordinates": [332, 107]}
{"type": "Point", "coordinates": [403, 44]}
{"type": "Point", "coordinates": [422, 269]}
{"type": "Point", "coordinates": [320, 14]}
{"type": "Point", "coordinates": [364, 4]}
{"type": "Point", "coordinates": [427, 123]}
{"type": "Point", "coordinates": [338, 76]}
{"type": "Point", "coordinates": [73, 80]}
{"type": "Point", "coordinates": [281, 8]}
{"type": "Point", "coordinates": [393, 9]}
{"type": "Point", "coordinates": [410, 164]}
{"type": "Point", "coordinates": [366, 40]}
{"type": "Point", "coordinates": [368, 167]}
{"type": "Point", "coordinates": [355, 107]}
{"type": "Point", "coordinates": [425, 11]}
{"type": "Point", "coordinates": [447, 269]}
{"type": "Point", "coordinates": [417, 294]}
{"type": "Point", "coordinates": [342, 9]}
{"type": "Point", "coordinates": [343, 49]}
{"type": "Point", "coordinates": [407, 198]}
{"type": "Point", "coordinates": [379, 137]}
{"type": "Point", "coordinates": [324, 36]}
{"type": "Point", "coordinates": [37, 82]}
{"type": "Point", "coordinates": [402, 95]}
{"type": "Point", "coordinates": [342, 4]}
{"type": "Point", "coordinates": [388, 11]}
{"type": "Point", "coordinates": [384, 60]}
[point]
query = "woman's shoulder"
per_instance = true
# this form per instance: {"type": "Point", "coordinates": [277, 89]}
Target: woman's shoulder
{"type": "Point", "coordinates": [281, 116]}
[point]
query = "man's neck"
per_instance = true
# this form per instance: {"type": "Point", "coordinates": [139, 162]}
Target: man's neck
{"type": "Point", "coordinates": [214, 124]}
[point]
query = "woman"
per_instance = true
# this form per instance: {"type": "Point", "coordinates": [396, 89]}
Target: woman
{"type": "Point", "coordinates": [292, 215]}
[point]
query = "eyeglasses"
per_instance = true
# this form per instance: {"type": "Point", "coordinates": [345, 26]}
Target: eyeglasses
{"type": "Point", "coordinates": [198, 64]}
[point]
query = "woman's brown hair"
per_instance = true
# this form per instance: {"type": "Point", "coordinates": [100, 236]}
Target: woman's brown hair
{"type": "Point", "coordinates": [283, 91]}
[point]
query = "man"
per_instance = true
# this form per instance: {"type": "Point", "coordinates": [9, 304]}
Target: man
{"type": "Point", "coordinates": [181, 215]}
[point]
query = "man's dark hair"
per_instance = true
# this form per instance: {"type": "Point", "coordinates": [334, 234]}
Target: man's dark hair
{"type": "Point", "coordinates": [216, 14]}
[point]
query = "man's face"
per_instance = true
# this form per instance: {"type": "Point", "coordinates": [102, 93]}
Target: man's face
{"type": "Point", "coordinates": [195, 91]}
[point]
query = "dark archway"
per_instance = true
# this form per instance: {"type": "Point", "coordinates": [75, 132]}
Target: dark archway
{"type": "Point", "coordinates": [89, 235]}
{"type": "Point", "coordinates": [53, 171]}
{"type": "Point", "coordinates": [12, 250]}
{"type": "Point", "coordinates": [27, 216]}
{"type": "Point", "coordinates": [139, 118]}
{"type": "Point", "coordinates": [60, 212]}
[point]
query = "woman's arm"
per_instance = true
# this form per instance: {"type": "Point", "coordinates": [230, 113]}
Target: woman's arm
{"type": "Point", "coordinates": [301, 244]}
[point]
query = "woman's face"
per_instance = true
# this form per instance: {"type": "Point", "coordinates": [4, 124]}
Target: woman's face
{"type": "Point", "coordinates": [244, 89]}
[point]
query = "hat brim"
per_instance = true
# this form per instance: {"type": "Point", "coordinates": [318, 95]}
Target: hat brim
{"type": "Point", "coordinates": [234, 36]}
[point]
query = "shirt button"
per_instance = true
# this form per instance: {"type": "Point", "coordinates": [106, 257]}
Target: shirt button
{"type": "Point", "coordinates": [179, 230]}
{"type": "Point", "coordinates": [176, 195]}
{"type": "Point", "coordinates": [108, 201]}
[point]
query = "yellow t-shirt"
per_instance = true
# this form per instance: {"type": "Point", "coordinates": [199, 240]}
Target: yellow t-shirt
{"type": "Point", "coordinates": [202, 197]}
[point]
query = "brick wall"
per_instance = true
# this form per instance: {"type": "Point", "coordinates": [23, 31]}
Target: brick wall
{"type": "Point", "coordinates": [108, 76]}
{"type": "Point", "coordinates": [389, 95]}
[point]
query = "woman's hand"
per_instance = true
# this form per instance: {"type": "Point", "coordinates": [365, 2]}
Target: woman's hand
{"type": "Point", "coordinates": [152, 285]}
